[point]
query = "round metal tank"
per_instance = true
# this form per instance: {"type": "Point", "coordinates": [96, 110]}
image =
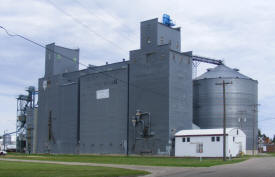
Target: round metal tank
{"type": "Point", "coordinates": [241, 102]}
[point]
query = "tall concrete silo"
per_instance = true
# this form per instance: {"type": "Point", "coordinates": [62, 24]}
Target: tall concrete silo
{"type": "Point", "coordinates": [241, 102]}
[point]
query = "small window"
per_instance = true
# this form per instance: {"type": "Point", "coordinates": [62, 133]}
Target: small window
{"type": "Point", "coordinates": [213, 139]}
{"type": "Point", "coordinates": [188, 139]}
{"type": "Point", "coordinates": [115, 81]}
{"type": "Point", "coordinates": [183, 139]}
{"type": "Point", "coordinates": [233, 139]}
{"type": "Point", "coordinates": [217, 138]}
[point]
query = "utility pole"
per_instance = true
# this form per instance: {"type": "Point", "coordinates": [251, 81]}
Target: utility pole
{"type": "Point", "coordinates": [4, 140]}
{"type": "Point", "coordinates": [255, 110]}
{"type": "Point", "coordinates": [224, 117]}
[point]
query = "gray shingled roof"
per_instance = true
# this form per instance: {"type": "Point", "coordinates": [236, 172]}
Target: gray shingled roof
{"type": "Point", "coordinates": [222, 71]}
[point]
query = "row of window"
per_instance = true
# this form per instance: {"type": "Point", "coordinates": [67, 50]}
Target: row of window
{"type": "Point", "coordinates": [186, 139]}
{"type": "Point", "coordinates": [218, 139]}
{"type": "Point", "coordinates": [213, 138]}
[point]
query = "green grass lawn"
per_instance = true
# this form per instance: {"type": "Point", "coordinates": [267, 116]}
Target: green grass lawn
{"type": "Point", "coordinates": [271, 153]}
{"type": "Point", "coordinates": [22, 169]}
{"type": "Point", "coordinates": [131, 160]}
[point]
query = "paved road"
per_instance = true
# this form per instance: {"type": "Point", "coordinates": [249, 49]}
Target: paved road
{"type": "Point", "coordinates": [256, 167]}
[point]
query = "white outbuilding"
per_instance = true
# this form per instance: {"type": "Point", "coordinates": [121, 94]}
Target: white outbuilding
{"type": "Point", "coordinates": [209, 142]}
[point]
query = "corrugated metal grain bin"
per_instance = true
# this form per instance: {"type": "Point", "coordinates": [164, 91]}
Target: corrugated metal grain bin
{"type": "Point", "coordinates": [241, 101]}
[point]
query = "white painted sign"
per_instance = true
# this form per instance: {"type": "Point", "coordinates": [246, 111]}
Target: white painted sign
{"type": "Point", "coordinates": [101, 94]}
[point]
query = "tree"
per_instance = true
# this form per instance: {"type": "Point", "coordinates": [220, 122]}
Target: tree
{"type": "Point", "coordinates": [273, 139]}
{"type": "Point", "coordinates": [259, 133]}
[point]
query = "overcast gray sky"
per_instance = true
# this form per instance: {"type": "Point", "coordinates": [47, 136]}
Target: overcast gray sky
{"type": "Point", "coordinates": [240, 32]}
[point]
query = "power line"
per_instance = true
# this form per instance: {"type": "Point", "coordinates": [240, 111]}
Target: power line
{"type": "Point", "coordinates": [92, 68]}
{"type": "Point", "coordinates": [100, 7]}
{"type": "Point", "coordinates": [18, 35]}
{"type": "Point", "coordinates": [86, 26]}
{"type": "Point", "coordinates": [266, 119]}
{"type": "Point", "coordinates": [94, 14]}
{"type": "Point", "coordinates": [87, 66]}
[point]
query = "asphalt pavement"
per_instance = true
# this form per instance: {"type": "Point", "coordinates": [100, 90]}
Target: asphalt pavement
{"type": "Point", "coordinates": [254, 167]}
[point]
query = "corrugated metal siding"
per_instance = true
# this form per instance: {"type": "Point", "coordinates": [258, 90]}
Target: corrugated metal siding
{"type": "Point", "coordinates": [180, 92]}
{"type": "Point", "coordinates": [150, 73]}
{"type": "Point", "coordinates": [241, 97]}
{"type": "Point", "coordinates": [67, 119]}
{"type": "Point", "coordinates": [157, 79]}
{"type": "Point", "coordinates": [60, 60]}
{"type": "Point", "coordinates": [103, 121]}
{"type": "Point", "coordinates": [59, 98]}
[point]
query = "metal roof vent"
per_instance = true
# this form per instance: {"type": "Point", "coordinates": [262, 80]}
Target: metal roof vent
{"type": "Point", "coordinates": [167, 21]}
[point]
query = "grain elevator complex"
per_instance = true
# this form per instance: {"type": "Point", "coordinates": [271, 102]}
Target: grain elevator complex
{"type": "Point", "coordinates": [137, 106]}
